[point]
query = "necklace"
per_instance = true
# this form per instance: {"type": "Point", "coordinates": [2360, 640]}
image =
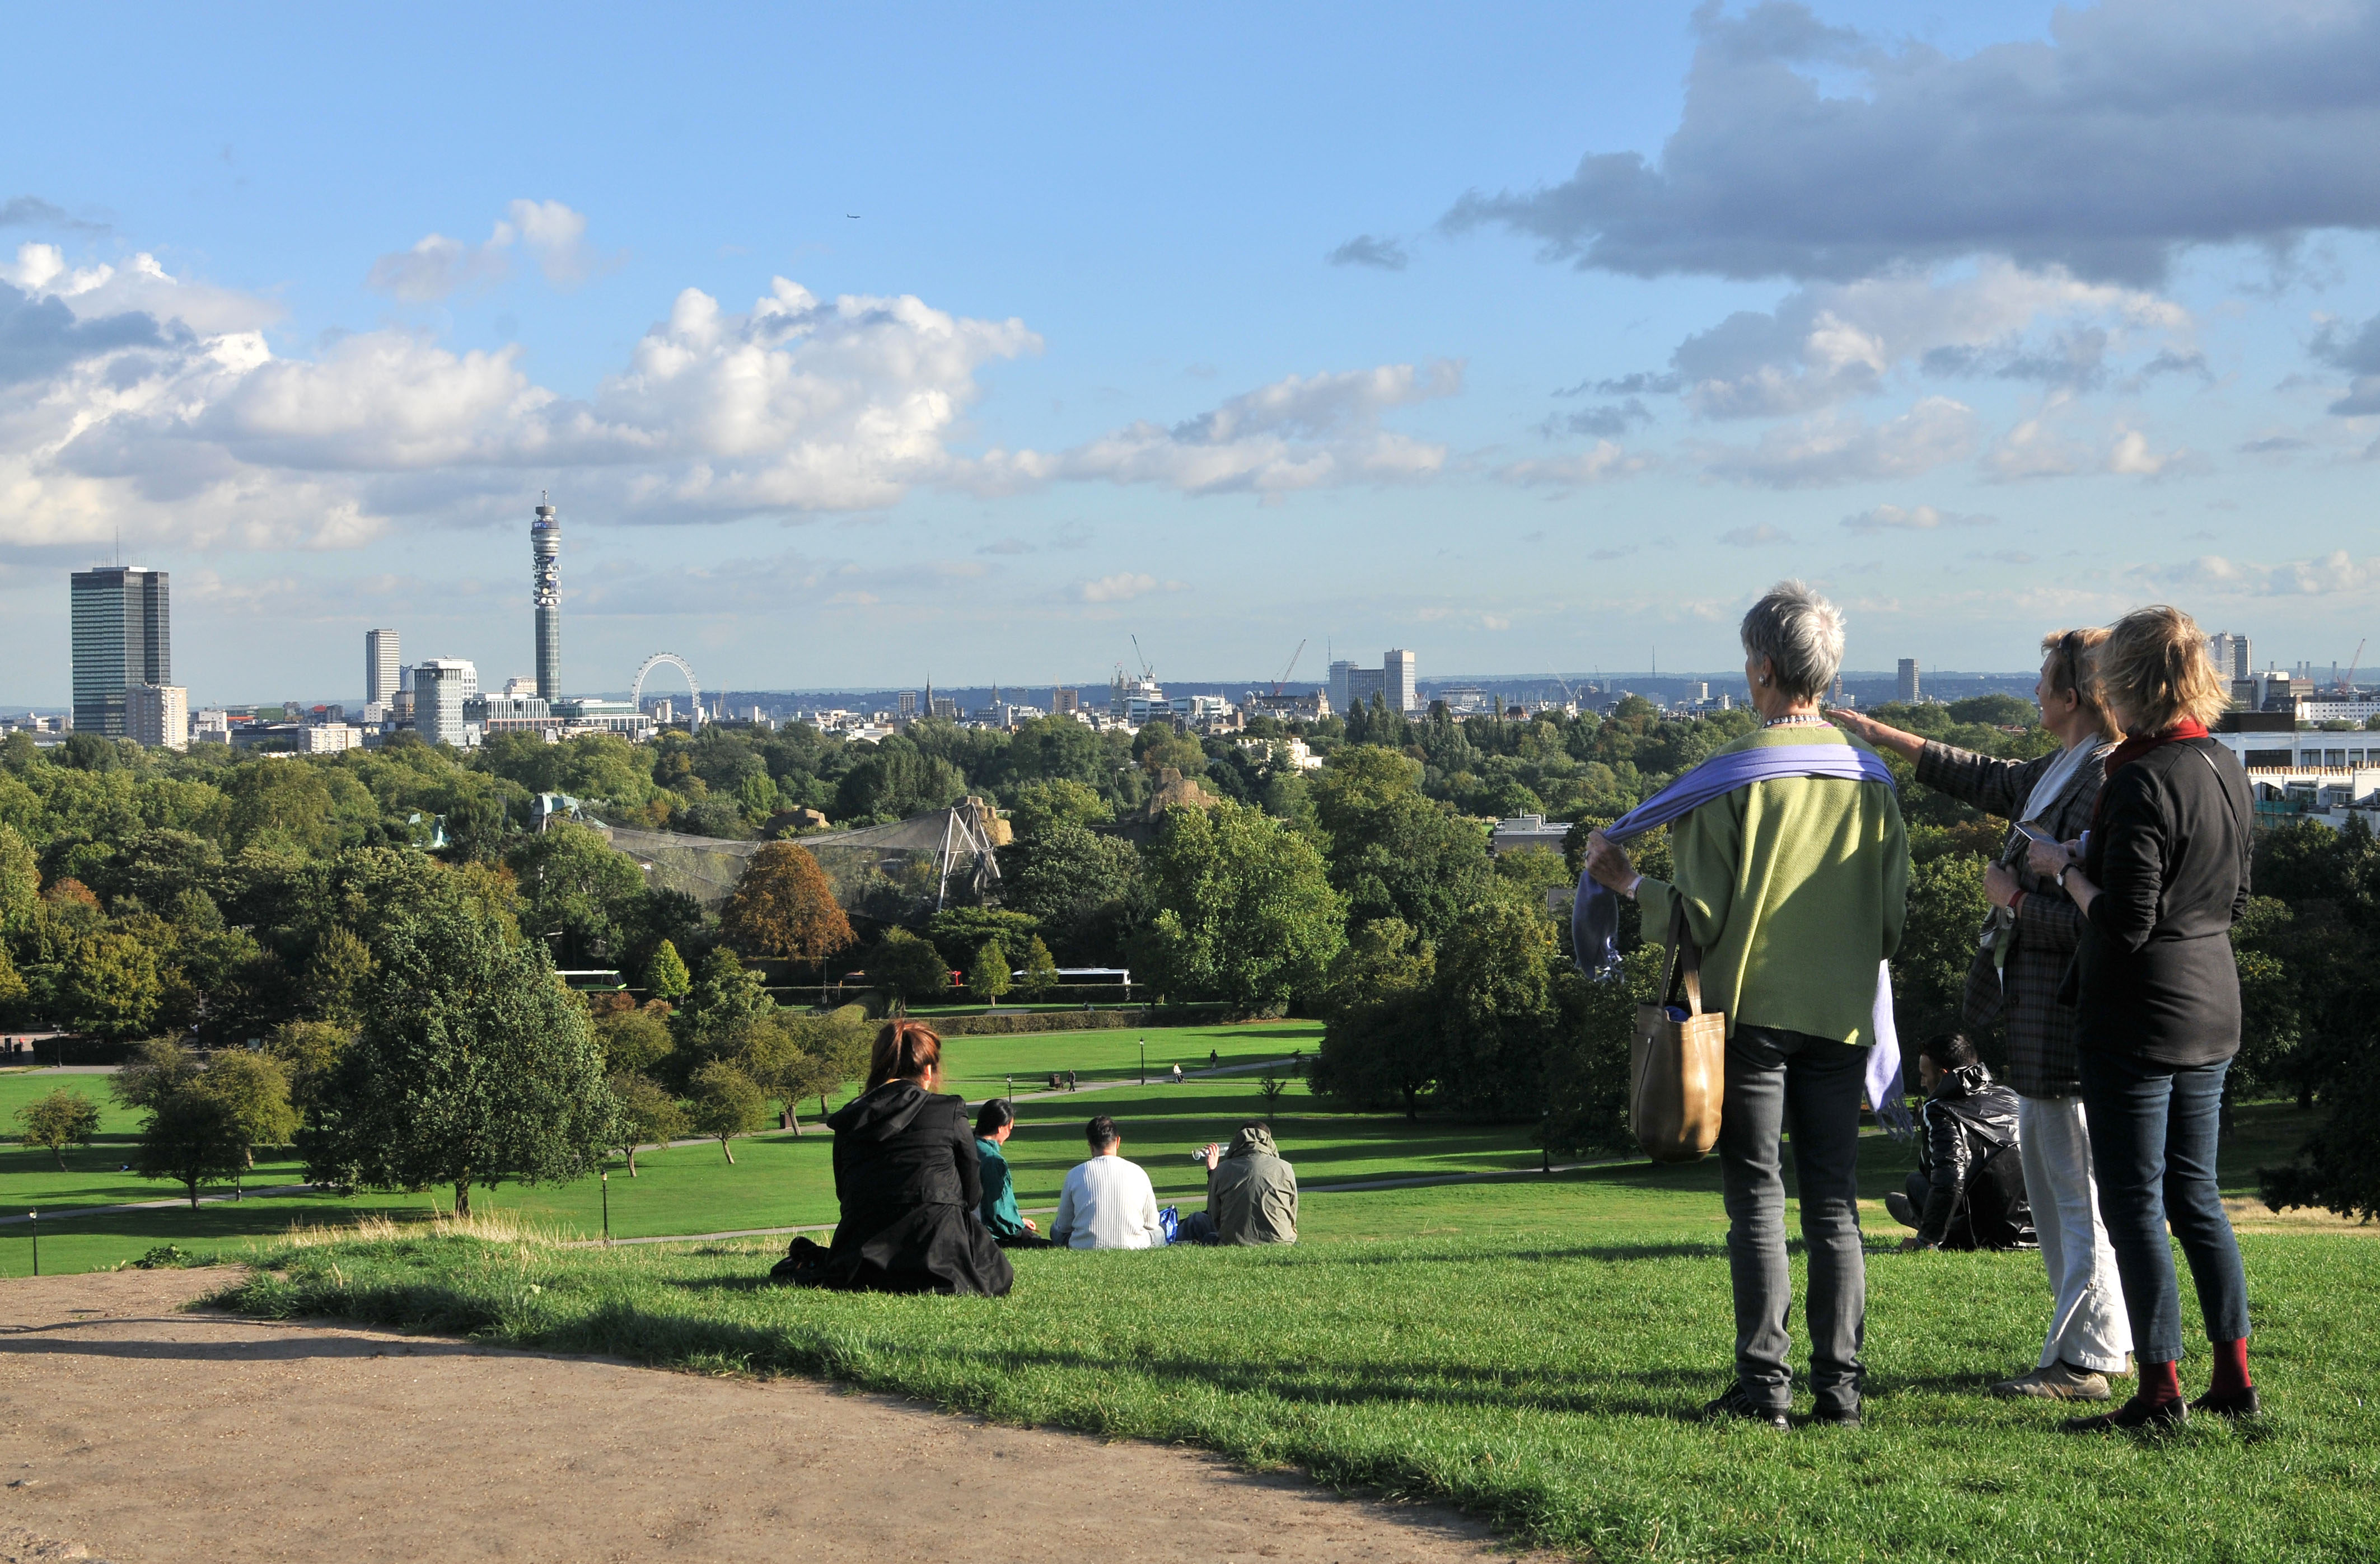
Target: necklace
{"type": "Point", "coordinates": [1796, 718]}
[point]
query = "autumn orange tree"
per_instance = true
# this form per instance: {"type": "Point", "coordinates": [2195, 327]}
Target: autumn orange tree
{"type": "Point", "coordinates": [785, 906]}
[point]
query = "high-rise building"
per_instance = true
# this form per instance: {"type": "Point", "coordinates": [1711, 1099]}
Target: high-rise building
{"type": "Point", "coordinates": [2233, 656]}
{"type": "Point", "coordinates": [381, 675]}
{"type": "Point", "coordinates": [1363, 683]}
{"type": "Point", "coordinates": [906, 705]}
{"type": "Point", "coordinates": [122, 636]}
{"type": "Point", "coordinates": [1907, 694]}
{"type": "Point", "coordinates": [158, 715]}
{"type": "Point", "coordinates": [441, 685]}
{"type": "Point", "coordinates": [545, 551]}
{"type": "Point", "coordinates": [1065, 702]}
{"type": "Point", "coordinates": [1339, 672]}
{"type": "Point", "coordinates": [1397, 681]}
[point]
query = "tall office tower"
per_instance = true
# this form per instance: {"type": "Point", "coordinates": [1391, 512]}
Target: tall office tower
{"type": "Point", "coordinates": [1363, 683]}
{"type": "Point", "coordinates": [381, 671]}
{"type": "Point", "coordinates": [545, 549]}
{"type": "Point", "coordinates": [1065, 702]}
{"type": "Point", "coordinates": [122, 636]}
{"type": "Point", "coordinates": [906, 705]}
{"type": "Point", "coordinates": [2233, 658]}
{"type": "Point", "coordinates": [158, 716]}
{"type": "Point", "coordinates": [1339, 672]}
{"type": "Point", "coordinates": [1397, 690]}
{"type": "Point", "coordinates": [1907, 694]}
{"type": "Point", "coordinates": [440, 688]}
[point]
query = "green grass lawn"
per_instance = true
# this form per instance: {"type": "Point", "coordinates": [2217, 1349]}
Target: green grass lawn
{"type": "Point", "coordinates": [778, 1180]}
{"type": "Point", "coordinates": [1529, 1349]}
{"type": "Point", "coordinates": [781, 1181]}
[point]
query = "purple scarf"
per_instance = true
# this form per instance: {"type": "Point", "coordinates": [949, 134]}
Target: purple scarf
{"type": "Point", "coordinates": [1595, 912]}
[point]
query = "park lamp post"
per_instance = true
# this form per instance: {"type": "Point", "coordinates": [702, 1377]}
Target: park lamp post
{"type": "Point", "coordinates": [606, 1176]}
{"type": "Point", "coordinates": [35, 1217]}
{"type": "Point", "coordinates": [1144, 1061]}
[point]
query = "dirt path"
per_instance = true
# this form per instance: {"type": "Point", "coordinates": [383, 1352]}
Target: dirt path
{"type": "Point", "coordinates": [131, 1433]}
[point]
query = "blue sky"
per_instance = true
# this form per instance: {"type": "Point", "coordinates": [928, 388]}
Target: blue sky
{"type": "Point", "coordinates": [1528, 337]}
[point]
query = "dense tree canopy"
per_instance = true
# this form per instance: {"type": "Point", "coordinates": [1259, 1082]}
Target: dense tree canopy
{"type": "Point", "coordinates": [474, 1065]}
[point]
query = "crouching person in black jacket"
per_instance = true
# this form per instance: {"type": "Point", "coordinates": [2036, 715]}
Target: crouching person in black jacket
{"type": "Point", "coordinates": [1968, 1191]}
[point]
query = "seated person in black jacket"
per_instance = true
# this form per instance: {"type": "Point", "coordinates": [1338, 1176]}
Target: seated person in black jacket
{"type": "Point", "coordinates": [1968, 1191]}
{"type": "Point", "coordinates": [906, 1178]}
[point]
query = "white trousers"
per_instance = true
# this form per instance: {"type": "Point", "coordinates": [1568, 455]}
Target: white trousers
{"type": "Point", "coordinates": [2088, 1326]}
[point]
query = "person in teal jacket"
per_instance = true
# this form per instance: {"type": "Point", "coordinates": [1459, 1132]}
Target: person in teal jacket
{"type": "Point", "coordinates": [1010, 1228]}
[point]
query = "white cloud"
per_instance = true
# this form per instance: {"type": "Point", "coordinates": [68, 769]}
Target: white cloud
{"type": "Point", "coordinates": [150, 421]}
{"type": "Point", "coordinates": [1756, 536]}
{"type": "Point", "coordinates": [1603, 461]}
{"type": "Point", "coordinates": [1832, 342]}
{"type": "Point", "coordinates": [2040, 447]}
{"type": "Point", "coordinates": [1125, 585]}
{"type": "Point", "coordinates": [141, 286]}
{"type": "Point", "coordinates": [2130, 453]}
{"type": "Point", "coordinates": [1303, 432]}
{"type": "Point", "coordinates": [1840, 448]}
{"type": "Point", "coordinates": [1915, 518]}
{"type": "Point", "coordinates": [2337, 573]}
{"type": "Point", "coordinates": [437, 267]}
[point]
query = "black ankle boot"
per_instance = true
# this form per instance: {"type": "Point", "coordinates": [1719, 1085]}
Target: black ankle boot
{"type": "Point", "coordinates": [2132, 1415]}
{"type": "Point", "coordinates": [2242, 1402]}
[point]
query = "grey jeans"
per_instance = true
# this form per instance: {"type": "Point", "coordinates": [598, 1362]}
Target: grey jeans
{"type": "Point", "coordinates": [1778, 1081]}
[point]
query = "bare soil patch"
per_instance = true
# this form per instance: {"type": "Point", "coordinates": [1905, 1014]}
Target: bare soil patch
{"type": "Point", "coordinates": [131, 1432]}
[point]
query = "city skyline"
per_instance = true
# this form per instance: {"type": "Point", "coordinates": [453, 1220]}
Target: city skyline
{"type": "Point", "coordinates": [1226, 358]}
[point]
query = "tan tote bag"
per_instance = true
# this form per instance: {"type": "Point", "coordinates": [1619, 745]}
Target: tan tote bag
{"type": "Point", "coordinates": [1678, 1069]}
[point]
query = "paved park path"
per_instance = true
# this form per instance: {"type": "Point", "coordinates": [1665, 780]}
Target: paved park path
{"type": "Point", "coordinates": [135, 1432]}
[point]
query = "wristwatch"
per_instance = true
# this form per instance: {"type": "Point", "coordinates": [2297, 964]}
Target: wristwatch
{"type": "Point", "coordinates": [2061, 877]}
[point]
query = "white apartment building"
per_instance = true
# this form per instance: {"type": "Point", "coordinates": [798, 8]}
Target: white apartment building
{"type": "Point", "coordinates": [158, 715]}
{"type": "Point", "coordinates": [441, 685]}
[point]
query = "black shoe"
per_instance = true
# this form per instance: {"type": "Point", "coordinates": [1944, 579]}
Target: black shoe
{"type": "Point", "coordinates": [2242, 1402]}
{"type": "Point", "coordinates": [1841, 1417]}
{"type": "Point", "coordinates": [2133, 1415]}
{"type": "Point", "coordinates": [1733, 1402]}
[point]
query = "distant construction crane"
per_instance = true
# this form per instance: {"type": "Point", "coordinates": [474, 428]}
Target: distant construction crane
{"type": "Point", "coordinates": [2348, 684]}
{"type": "Point", "coordinates": [1568, 694]}
{"type": "Point", "coordinates": [1290, 669]}
{"type": "Point", "coordinates": [1145, 671]}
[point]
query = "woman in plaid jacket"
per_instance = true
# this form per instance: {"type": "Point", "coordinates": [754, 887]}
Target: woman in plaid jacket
{"type": "Point", "coordinates": [2019, 965]}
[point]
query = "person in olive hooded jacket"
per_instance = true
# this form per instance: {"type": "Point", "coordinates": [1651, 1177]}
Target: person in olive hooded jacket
{"type": "Point", "coordinates": [906, 1178]}
{"type": "Point", "coordinates": [1251, 1193]}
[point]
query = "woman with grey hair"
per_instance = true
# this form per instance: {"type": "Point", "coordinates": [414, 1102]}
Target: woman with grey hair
{"type": "Point", "coordinates": [1793, 878]}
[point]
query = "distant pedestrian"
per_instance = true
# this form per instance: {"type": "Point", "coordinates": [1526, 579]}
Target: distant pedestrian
{"type": "Point", "coordinates": [1214, 1059]}
{"type": "Point", "coordinates": [1072, 1085]}
{"type": "Point", "coordinates": [1177, 1074]}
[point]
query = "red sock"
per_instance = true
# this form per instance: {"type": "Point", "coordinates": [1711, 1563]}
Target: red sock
{"type": "Point", "coordinates": [2231, 1368]}
{"type": "Point", "coordinates": [2159, 1382]}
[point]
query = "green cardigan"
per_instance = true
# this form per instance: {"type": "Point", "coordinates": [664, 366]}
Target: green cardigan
{"type": "Point", "coordinates": [1000, 1212]}
{"type": "Point", "coordinates": [1794, 890]}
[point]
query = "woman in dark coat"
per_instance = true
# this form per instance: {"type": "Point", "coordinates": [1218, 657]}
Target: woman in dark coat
{"type": "Point", "coordinates": [906, 1178]}
{"type": "Point", "coordinates": [2158, 879]}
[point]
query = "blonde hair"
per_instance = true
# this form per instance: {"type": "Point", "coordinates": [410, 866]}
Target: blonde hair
{"type": "Point", "coordinates": [2073, 657]}
{"type": "Point", "coordinates": [2153, 670]}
